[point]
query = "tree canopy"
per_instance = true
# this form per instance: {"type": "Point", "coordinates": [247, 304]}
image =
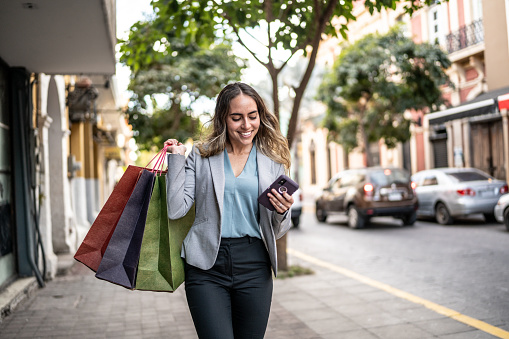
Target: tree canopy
{"type": "Point", "coordinates": [372, 84]}
{"type": "Point", "coordinates": [168, 75]}
{"type": "Point", "coordinates": [294, 27]}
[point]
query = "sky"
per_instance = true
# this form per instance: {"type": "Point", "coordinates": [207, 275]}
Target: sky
{"type": "Point", "coordinates": [128, 12]}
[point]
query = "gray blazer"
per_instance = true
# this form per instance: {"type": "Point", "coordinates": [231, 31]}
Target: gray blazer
{"type": "Point", "coordinates": [201, 181]}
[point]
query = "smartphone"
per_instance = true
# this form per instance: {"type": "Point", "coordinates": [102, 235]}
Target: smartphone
{"type": "Point", "coordinates": [282, 184]}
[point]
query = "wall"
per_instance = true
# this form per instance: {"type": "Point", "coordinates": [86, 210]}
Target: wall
{"type": "Point", "coordinates": [496, 42]}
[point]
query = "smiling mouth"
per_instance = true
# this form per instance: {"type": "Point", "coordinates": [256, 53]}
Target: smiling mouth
{"type": "Point", "coordinates": [246, 134]}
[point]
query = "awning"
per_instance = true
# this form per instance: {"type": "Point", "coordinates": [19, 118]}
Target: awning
{"type": "Point", "coordinates": [485, 103]}
{"type": "Point", "coordinates": [59, 36]}
{"type": "Point", "coordinates": [503, 102]}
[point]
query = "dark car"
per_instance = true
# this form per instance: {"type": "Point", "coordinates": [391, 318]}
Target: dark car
{"type": "Point", "coordinates": [368, 192]}
{"type": "Point", "coordinates": [296, 208]}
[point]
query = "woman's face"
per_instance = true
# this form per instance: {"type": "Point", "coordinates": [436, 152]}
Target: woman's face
{"type": "Point", "coordinates": [243, 121]}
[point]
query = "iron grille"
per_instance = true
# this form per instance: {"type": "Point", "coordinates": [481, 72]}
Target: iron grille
{"type": "Point", "coordinates": [466, 36]}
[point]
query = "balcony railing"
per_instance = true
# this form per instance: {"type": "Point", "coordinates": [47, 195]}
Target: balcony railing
{"type": "Point", "coordinates": [466, 36]}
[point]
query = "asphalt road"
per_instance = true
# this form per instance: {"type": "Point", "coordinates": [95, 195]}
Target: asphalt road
{"type": "Point", "coordinates": [464, 267]}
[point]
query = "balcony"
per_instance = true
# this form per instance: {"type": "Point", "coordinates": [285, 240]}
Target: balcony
{"type": "Point", "coordinates": [466, 36]}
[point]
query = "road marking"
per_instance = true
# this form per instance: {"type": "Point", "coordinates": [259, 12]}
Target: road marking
{"type": "Point", "coordinates": [481, 325]}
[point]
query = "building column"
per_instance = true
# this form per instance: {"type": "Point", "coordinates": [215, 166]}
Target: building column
{"type": "Point", "coordinates": [467, 150]}
{"type": "Point", "coordinates": [90, 172]}
{"type": "Point", "coordinates": [78, 185]}
{"type": "Point", "coordinates": [505, 129]}
{"type": "Point", "coordinates": [428, 150]}
{"type": "Point", "coordinates": [450, 143]}
{"type": "Point", "coordinates": [64, 224]}
{"type": "Point", "coordinates": [45, 222]}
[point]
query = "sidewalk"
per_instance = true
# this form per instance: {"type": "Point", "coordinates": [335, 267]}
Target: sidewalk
{"type": "Point", "coordinates": [323, 305]}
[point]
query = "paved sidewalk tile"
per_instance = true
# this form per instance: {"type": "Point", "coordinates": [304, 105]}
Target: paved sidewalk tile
{"type": "Point", "coordinates": [324, 305]}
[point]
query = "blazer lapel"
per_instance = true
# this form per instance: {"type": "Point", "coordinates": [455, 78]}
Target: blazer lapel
{"type": "Point", "coordinates": [216, 163]}
{"type": "Point", "coordinates": [264, 173]}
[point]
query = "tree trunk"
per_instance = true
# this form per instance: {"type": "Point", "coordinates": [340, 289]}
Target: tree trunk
{"type": "Point", "coordinates": [365, 146]}
{"type": "Point", "coordinates": [275, 90]}
{"type": "Point", "coordinates": [321, 20]}
{"type": "Point", "coordinates": [282, 259]}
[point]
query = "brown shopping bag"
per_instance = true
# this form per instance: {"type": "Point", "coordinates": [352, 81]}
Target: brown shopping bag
{"type": "Point", "coordinates": [93, 246]}
{"type": "Point", "coordinates": [160, 267]}
{"type": "Point", "coordinates": [120, 259]}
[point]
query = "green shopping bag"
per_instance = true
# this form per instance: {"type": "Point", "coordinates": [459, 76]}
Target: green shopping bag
{"type": "Point", "coordinates": [160, 266]}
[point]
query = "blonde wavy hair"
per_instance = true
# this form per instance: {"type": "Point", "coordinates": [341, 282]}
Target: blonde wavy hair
{"type": "Point", "coordinates": [269, 140]}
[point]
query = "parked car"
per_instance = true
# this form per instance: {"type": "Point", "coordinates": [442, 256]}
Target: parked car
{"type": "Point", "coordinates": [502, 210]}
{"type": "Point", "coordinates": [446, 193]}
{"type": "Point", "coordinates": [296, 208]}
{"type": "Point", "coordinates": [368, 192]}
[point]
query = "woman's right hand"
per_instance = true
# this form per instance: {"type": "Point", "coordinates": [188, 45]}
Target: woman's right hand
{"type": "Point", "coordinates": [175, 147]}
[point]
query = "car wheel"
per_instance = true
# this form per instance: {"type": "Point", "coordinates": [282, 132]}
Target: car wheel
{"type": "Point", "coordinates": [321, 215]}
{"type": "Point", "coordinates": [506, 218]}
{"type": "Point", "coordinates": [355, 219]}
{"type": "Point", "coordinates": [490, 217]}
{"type": "Point", "coordinates": [409, 219]}
{"type": "Point", "coordinates": [295, 221]}
{"type": "Point", "coordinates": [442, 215]}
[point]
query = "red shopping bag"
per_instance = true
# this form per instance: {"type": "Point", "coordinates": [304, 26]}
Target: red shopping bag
{"type": "Point", "coordinates": [92, 248]}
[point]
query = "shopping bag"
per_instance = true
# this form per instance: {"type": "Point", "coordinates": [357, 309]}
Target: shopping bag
{"type": "Point", "coordinates": [120, 259]}
{"type": "Point", "coordinates": [160, 267]}
{"type": "Point", "coordinates": [93, 246]}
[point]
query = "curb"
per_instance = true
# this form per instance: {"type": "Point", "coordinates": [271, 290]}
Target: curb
{"type": "Point", "coordinates": [17, 292]}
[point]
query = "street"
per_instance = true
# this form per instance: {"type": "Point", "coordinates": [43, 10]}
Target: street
{"type": "Point", "coordinates": [461, 266]}
{"type": "Point", "coordinates": [382, 282]}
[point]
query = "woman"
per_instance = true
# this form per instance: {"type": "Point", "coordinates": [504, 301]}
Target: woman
{"type": "Point", "coordinates": [231, 246]}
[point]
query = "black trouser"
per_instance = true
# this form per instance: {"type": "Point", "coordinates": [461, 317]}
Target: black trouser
{"type": "Point", "coordinates": [232, 299]}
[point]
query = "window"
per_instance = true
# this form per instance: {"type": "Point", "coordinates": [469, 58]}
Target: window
{"type": "Point", "coordinates": [430, 181]}
{"type": "Point", "coordinates": [436, 24]}
{"type": "Point", "coordinates": [388, 177]}
{"type": "Point", "coordinates": [468, 176]}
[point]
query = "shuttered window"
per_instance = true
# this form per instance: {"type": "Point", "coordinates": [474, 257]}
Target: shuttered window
{"type": "Point", "coordinates": [440, 153]}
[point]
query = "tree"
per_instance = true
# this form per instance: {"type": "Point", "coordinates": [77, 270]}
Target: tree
{"type": "Point", "coordinates": [372, 84]}
{"type": "Point", "coordinates": [168, 75]}
{"type": "Point", "coordinates": [295, 27]}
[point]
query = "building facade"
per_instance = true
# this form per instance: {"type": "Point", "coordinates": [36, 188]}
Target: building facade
{"type": "Point", "coordinates": [471, 131]}
{"type": "Point", "coordinates": [58, 160]}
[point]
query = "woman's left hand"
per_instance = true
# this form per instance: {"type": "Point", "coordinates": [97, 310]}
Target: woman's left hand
{"type": "Point", "coordinates": [281, 202]}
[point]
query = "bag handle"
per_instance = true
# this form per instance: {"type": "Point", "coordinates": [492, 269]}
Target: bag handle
{"type": "Point", "coordinates": [158, 167]}
{"type": "Point", "coordinates": [159, 162]}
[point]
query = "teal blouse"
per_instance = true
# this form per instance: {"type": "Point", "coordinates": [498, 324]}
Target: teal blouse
{"type": "Point", "coordinates": [240, 207]}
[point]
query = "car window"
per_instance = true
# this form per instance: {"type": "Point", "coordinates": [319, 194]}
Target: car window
{"type": "Point", "coordinates": [429, 181]}
{"type": "Point", "coordinates": [337, 184]}
{"type": "Point", "coordinates": [468, 176]}
{"type": "Point", "coordinates": [389, 176]}
{"type": "Point", "coordinates": [351, 180]}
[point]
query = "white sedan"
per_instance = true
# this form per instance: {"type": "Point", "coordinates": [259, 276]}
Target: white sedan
{"type": "Point", "coordinates": [502, 210]}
